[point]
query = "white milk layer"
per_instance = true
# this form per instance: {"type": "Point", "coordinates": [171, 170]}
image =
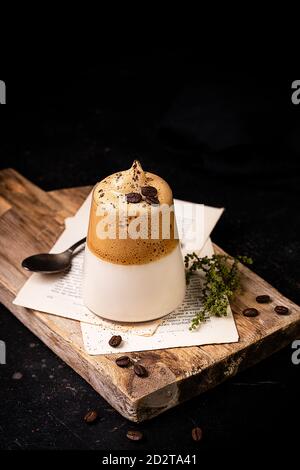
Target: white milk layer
{"type": "Point", "coordinates": [133, 293]}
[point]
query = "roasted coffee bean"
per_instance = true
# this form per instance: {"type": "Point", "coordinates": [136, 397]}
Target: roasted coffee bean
{"type": "Point", "coordinates": [123, 361]}
{"type": "Point", "coordinates": [152, 200]}
{"type": "Point", "coordinates": [197, 434]}
{"type": "Point", "coordinates": [140, 370]}
{"type": "Point", "coordinates": [115, 341]}
{"type": "Point", "coordinates": [149, 191]}
{"type": "Point", "coordinates": [17, 376]}
{"type": "Point", "coordinates": [134, 435]}
{"type": "Point", "coordinates": [263, 299]}
{"type": "Point", "coordinates": [91, 416]}
{"type": "Point", "coordinates": [134, 198]}
{"type": "Point", "coordinates": [281, 310]}
{"type": "Point", "coordinates": [250, 312]}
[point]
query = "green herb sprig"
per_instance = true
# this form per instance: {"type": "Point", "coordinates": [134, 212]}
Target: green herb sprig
{"type": "Point", "coordinates": [221, 282]}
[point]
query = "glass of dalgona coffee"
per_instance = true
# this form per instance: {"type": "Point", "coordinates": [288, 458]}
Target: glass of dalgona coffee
{"type": "Point", "coordinates": [133, 269]}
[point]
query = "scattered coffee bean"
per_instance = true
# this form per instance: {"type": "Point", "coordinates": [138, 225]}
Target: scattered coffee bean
{"type": "Point", "coordinates": [134, 198]}
{"type": "Point", "coordinates": [123, 361]}
{"type": "Point", "coordinates": [197, 434]}
{"type": "Point", "coordinates": [250, 312]}
{"type": "Point", "coordinates": [149, 191]}
{"type": "Point", "coordinates": [134, 435]}
{"type": "Point", "coordinates": [140, 370]}
{"type": "Point", "coordinates": [17, 376]}
{"type": "Point", "coordinates": [281, 310]}
{"type": "Point", "coordinates": [115, 341]}
{"type": "Point", "coordinates": [152, 200]}
{"type": "Point", "coordinates": [263, 299]}
{"type": "Point", "coordinates": [91, 416]}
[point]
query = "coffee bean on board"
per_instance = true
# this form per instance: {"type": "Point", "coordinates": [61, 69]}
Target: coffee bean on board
{"type": "Point", "coordinates": [281, 310]}
{"type": "Point", "coordinates": [123, 361]}
{"type": "Point", "coordinates": [263, 299]}
{"type": "Point", "coordinates": [140, 370]}
{"type": "Point", "coordinates": [250, 312]}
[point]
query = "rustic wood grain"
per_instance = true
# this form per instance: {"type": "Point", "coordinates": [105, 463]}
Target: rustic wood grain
{"type": "Point", "coordinates": [32, 221]}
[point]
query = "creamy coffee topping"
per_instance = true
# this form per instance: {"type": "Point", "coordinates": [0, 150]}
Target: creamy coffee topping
{"type": "Point", "coordinates": [133, 195]}
{"type": "Point", "coordinates": [114, 188]}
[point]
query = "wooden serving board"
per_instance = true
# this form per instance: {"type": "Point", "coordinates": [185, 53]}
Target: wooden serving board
{"type": "Point", "coordinates": [30, 222]}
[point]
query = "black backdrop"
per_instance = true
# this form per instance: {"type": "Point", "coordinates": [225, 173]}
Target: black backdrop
{"type": "Point", "coordinates": [220, 136]}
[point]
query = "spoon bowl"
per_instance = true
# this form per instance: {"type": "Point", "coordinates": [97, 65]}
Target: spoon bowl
{"type": "Point", "coordinates": [51, 263]}
{"type": "Point", "coordinates": [48, 263]}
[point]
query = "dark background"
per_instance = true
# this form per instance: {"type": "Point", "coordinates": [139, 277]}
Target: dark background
{"type": "Point", "coordinates": [220, 136]}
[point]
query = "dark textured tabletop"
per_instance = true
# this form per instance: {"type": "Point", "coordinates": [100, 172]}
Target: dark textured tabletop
{"type": "Point", "coordinates": [216, 142]}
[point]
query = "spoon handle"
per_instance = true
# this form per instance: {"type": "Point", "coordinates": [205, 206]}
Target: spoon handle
{"type": "Point", "coordinates": [77, 244]}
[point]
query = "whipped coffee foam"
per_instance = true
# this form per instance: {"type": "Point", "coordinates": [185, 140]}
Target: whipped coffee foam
{"type": "Point", "coordinates": [114, 188]}
{"type": "Point", "coordinates": [132, 196]}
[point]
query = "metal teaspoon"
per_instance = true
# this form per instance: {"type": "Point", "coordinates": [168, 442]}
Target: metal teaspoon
{"type": "Point", "coordinates": [51, 262]}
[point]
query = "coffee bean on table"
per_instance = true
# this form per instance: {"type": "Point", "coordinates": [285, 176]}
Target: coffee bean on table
{"type": "Point", "coordinates": [123, 361]}
{"type": "Point", "coordinates": [281, 310]}
{"type": "Point", "coordinates": [91, 416]}
{"type": "Point", "coordinates": [263, 299]}
{"type": "Point", "coordinates": [17, 375]}
{"type": "Point", "coordinates": [134, 198]}
{"type": "Point", "coordinates": [250, 312]}
{"type": "Point", "coordinates": [134, 435]}
{"type": "Point", "coordinates": [149, 191]}
{"type": "Point", "coordinates": [140, 370]}
{"type": "Point", "coordinates": [152, 200]}
{"type": "Point", "coordinates": [197, 434]}
{"type": "Point", "coordinates": [115, 341]}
